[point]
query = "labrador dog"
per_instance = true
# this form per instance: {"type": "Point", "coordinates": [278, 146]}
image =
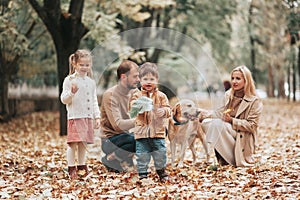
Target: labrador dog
{"type": "Point", "coordinates": [183, 129]}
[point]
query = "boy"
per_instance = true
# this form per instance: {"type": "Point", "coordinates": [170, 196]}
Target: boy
{"type": "Point", "coordinates": [149, 128]}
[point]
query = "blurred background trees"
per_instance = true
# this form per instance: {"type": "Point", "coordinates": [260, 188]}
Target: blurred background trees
{"type": "Point", "coordinates": [37, 37]}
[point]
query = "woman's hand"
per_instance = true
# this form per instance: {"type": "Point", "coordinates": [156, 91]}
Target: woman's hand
{"type": "Point", "coordinates": [227, 118]}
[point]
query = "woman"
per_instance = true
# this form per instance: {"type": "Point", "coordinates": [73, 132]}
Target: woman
{"type": "Point", "coordinates": [232, 129]}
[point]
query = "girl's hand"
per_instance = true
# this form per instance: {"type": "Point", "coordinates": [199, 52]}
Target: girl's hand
{"type": "Point", "coordinates": [160, 112]}
{"type": "Point", "coordinates": [74, 88]}
{"type": "Point", "coordinates": [97, 123]}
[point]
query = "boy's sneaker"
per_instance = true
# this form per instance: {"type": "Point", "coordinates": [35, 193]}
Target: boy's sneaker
{"type": "Point", "coordinates": [143, 175]}
{"type": "Point", "coordinates": [163, 176]}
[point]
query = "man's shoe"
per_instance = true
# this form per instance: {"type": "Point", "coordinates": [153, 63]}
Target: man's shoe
{"type": "Point", "coordinates": [112, 165]}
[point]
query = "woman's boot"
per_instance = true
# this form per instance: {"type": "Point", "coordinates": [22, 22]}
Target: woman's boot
{"type": "Point", "coordinates": [72, 172]}
{"type": "Point", "coordinates": [82, 170]}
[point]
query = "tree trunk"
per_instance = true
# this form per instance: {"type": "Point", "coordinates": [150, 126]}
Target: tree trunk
{"type": "Point", "coordinates": [4, 114]}
{"type": "Point", "coordinates": [62, 69]}
{"type": "Point", "coordinates": [294, 80]}
{"type": "Point", "coordinates": [289, 83]}
{"type": "Point", "coordinates": [281, 92]}
{"type": "Point", "coordinates": [66, 30]}
{"type": "Point", "coordinates": [252, 45]}
{"type": "Point", "coordinates": [271, 87]}
{"type": "Point", "coordinates": [299, 66]}
{"type": "Point", "coordinates": [7, 69]}
{"type": "Point", "coordinates": [65, 45]}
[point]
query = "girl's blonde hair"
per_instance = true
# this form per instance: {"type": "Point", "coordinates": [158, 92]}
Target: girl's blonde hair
{"type": "Point", "coordinates": [75, 57]}
{"type": "Point", "coordinates": [249, 88]}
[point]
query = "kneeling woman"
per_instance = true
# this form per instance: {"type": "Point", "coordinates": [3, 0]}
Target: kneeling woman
{"type": "Point", "coordinates": [232, 129]}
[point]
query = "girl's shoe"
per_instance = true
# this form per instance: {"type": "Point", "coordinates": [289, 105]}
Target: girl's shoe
{"type": "Point", "coordinates": [72, 172]}
{"type": "Point", "coordinates": [82, 170]}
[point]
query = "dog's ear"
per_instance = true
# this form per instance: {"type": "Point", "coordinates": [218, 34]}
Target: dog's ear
{"type": "Point", "coordinates": [177, 110]}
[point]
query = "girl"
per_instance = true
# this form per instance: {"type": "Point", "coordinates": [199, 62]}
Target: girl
{"type": "Point", "coordinates": [80, 97]}
{"type": "Point", "coordinates": [233, 135]}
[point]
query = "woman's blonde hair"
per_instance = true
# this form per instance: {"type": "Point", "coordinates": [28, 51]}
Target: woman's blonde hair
{"type": "Point", "coordinates": [75, 57]}
{"type": "Point", "coordinates": [249, 88]}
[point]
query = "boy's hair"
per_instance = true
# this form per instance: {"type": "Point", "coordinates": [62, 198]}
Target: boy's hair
{"type": "Point", "coordinates": [147, 68]}
{"type": "Point", "coordinates": [75, 57]}
{"type": "Point", "coordinates": [125, 67]}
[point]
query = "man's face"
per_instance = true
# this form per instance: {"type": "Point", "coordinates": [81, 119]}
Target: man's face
{"type": "Point", "coordinates": [132, 79]}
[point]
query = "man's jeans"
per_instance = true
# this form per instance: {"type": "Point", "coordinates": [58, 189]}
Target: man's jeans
{"type": "Point", "coordinates": [147, 147]}
{"type": "Point", "coordinates": [123, 145]}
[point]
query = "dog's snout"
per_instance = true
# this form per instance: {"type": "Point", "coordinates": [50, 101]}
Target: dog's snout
{"type": "Point", "coordinates": [186, 114]}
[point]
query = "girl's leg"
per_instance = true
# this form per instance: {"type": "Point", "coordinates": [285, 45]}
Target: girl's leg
{"type": "Point", "coordinates": [81, 153]}
{"type": "Point", "coordinates": [71, 149]}
{"type": "Point", "coordinates": [82, 167]}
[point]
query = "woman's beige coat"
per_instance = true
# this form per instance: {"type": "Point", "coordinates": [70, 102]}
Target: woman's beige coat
{"type": "Point", "coordinates": [235, 142]}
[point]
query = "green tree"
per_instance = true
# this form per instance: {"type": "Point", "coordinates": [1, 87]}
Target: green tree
{"type": "Point", "coordinates": [293, 31]}
{"type": "Point", "coordinates": [67, 30]}
{"type": "Point", "coordinates": [14, 33]}
{"type": "Point", "coordinates": [269, 42]}
{"type": "Point", "coordinates": [68, 26]}
{"type": "Point", "coordinates": [204, 21]}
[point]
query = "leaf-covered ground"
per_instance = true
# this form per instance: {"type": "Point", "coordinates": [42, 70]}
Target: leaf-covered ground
{"type": "Point", "coordinates": [33, 165]}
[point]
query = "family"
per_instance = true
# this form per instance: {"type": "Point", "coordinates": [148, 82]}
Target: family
{"type": "Point", "coordinates": [231, 130]}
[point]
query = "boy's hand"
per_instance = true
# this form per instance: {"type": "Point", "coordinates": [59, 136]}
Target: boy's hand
{"type": "Point", "coordinates": [160, 112]}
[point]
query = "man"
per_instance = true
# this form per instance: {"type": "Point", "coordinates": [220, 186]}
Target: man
{"type": "Point", "coordinates": [117, 143]}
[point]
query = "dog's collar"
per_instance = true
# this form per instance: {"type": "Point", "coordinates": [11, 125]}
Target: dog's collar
{"type": "Point", "coordinates": [178, 122]}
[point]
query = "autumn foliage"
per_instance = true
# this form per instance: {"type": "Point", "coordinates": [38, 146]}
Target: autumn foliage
{"type": "Point", "coordinates": [33, 165]}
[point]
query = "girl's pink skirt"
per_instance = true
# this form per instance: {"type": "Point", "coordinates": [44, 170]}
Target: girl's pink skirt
{"type": "Point", "coordinates": [80, 130]}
